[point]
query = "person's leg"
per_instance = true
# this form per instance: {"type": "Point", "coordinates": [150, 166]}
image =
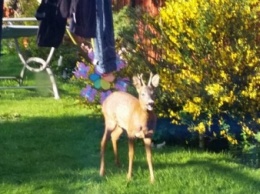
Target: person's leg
{"type": "Point", "coordinates": [104, 43]}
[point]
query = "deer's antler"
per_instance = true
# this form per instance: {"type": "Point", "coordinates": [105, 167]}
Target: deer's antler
{"type": "Point", "coordinates": [150, 79]}
{"type": "Point", "coordinates": [140, 76]}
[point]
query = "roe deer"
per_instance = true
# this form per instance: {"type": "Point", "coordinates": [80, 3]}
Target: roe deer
{"type": "Point", "coordinates": [122, 111]}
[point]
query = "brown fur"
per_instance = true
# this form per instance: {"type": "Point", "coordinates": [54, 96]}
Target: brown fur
{"type": "Point", "coordinates": [122, 111]}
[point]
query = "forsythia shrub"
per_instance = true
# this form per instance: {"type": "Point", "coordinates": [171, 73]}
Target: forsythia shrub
{"type": "Point", "coordinates": [210, 64]}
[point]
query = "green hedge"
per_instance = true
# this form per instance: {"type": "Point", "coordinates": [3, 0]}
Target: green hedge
{"type": "Point", "coordinates": [207, 54]}
{"type": "Point", "coordinates": [212, 51]}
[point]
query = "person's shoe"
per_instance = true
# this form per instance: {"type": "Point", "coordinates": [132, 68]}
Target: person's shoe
{"type": "Point", "coordinates": [109, 77]}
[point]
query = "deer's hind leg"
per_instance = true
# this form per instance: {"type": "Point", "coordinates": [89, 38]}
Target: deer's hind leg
{"type": "Point", "coordinates": [114, 137]}
{"type": "Point", "coordinates": [109, 128]}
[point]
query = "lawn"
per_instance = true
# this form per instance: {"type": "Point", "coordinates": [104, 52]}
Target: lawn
{"type": "Point", "coordinates": [50, 146]}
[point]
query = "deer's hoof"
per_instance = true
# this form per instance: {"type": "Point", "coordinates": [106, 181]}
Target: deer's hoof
{"type": "Point", "coordinates": [101, 173]}
{"type": "Point", "coordinates": [129, 177]}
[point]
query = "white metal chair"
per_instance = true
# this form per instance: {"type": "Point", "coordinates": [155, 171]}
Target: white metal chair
{"type": "Point", "coordinates": [12, 31]}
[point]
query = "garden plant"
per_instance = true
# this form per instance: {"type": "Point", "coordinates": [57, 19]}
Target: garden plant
{"type": "Point", "coordinates": [207, 55]}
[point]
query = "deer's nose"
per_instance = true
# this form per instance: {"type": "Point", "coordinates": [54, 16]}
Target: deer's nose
{"type": "Point", "coordinates": [149, 106]}
{"type": "Point", "coordinates": [151, 102]}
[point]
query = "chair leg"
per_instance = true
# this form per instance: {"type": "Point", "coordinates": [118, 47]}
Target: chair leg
{"type": "Point", "coordinates": [53, 82]}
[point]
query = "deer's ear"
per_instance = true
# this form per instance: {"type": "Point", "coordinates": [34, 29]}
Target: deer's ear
{"type": "Point", "coordinates": [137, 82]}
{"type": "Point", "coordinates": [155, 80]}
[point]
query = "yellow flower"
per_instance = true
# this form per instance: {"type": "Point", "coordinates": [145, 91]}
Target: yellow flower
{"type": "Point", "coordinates": [223, 75]}
{"type": "Point", "coordinates": [197, 99]}
{"type": "Point", "coordinates": [222, 132]}
{"type": "Point", "coordinates": [191, 46]}
{"type": "Point", "coordinates": [214, 89]}
{"type": "Point", "coordinates": [196, 78]}
{"type": "Point", "coordinates": [248, 131]}
{"type": "Point", "coordinates": [200, 128]}
{"type": "Point", "coordinates": [247, 9]}
{"type": "Point", "coordinates": [258, 120]}
{"type": "Point", "coordinates": [192, 108]}
{"type": "Point", "coordinates": [234, 56]}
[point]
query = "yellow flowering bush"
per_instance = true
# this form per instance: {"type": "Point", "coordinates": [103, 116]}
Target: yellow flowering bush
{"type": "Point", "coordinates": [207, 54]}
{"type": "Point", "coordinates": [210, 63]}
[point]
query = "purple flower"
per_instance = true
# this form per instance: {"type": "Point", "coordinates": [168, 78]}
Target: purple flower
{"type": "Point", "coordinates": [91, 55]}
{"type": "Point", "coordinates": [89, 93]}
{"type": "Point", "coordinates": [122, 84]}
{"type": "Point", "coordinates": [120, 63]}
{"type": "Point", "coordinates": [81, 70]}
{"type": "Point", "coordinates": [104, 95]}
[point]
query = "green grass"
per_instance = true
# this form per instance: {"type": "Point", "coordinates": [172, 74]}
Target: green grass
{"type": "Point", "coordinates": [51, 146]}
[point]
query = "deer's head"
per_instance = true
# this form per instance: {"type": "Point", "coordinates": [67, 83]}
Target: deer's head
{"type": "Point", "coordinates": [146, 92]}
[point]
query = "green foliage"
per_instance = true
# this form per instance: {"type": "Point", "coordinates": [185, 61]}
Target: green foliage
{"type": "Point", "coordinates": [131, 35]}
{"type": "Point", "coordinates": [68, 51]}
{"type": "Point", "coordinates": [209, 64]}
{"type": "Point", "coordinates": [52, 146]}
{"type": "Point", "coordinates": [55, 146]}
{"type": "Point", "coordinates": [206, 53]}
{"type": "Point", "coordinates": [257, 137]}
{"type": "Point", "coordinates": [24, 8]}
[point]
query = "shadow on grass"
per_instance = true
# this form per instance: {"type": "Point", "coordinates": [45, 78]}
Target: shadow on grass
{"type": "Point", "coordinates": [62, 153]}
{"type": "Point", "coordinates": [50, 149]}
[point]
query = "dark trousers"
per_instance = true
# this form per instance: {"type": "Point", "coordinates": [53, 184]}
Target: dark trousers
{"type": "Point", "coordinates": [104, 43]}
{"type": "Point", "coordinates": [83, 18]}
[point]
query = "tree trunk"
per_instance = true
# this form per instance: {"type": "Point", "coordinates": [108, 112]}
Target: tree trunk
{"type": "Point", "coordinates": [201, 141]}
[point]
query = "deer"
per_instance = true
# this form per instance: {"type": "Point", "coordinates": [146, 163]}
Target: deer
{"type": "Point", "coordinates": [125, 112]}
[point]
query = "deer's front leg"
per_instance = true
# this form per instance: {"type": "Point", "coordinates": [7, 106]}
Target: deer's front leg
{"type": "Point", "coordinates": [114, 137]}
{"type": "Point", "coordinates": [131, 157]}
{"type": "Point", "coordinates": [147, 143]}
